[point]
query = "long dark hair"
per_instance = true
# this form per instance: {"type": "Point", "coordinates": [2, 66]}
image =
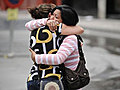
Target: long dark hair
{"type": "Point", "coordinates": [68, 14]}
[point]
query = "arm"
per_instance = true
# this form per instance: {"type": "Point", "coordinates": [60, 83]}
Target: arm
{"type": "Point", "coordinates": [65, 30]}
{"type": "Point", "coordinates": [34, 24]}
{"type": "Point", "coordinates": [66, 48]}
{"type": "Point", "coordinates": [68, 30]}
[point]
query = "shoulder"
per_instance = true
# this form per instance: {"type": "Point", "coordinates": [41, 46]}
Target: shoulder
{"type": "Point", "coordinates": [70, 39]}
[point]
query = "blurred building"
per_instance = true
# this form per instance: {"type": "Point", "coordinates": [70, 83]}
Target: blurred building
{"type": "Point", "coordinates": [96, 8]}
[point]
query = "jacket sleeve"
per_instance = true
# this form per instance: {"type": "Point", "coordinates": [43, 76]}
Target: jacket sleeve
{"type": "Point", "coordinates": [34, 24]}
{"type": "Point", "coordinates": [66, 48]}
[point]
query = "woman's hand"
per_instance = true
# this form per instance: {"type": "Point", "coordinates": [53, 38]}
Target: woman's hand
{"type": "Point", "coordinates": [32, 54]}
{"type": "Point", "coordinates": [52, 24]}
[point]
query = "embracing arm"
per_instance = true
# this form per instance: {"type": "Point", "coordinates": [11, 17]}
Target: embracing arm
{"type": "Point", "coordinates": [68, 30]}
{"type": "Point", "coordinates": [34, 24]}
{"type": "Point", "coordinates": [66, 48]}
{"type": "Point", "coordinates": [65, 30]}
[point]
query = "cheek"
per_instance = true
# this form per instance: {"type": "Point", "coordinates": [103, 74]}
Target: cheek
{"type": "Point", "coordinates": [51, 17]}
{"type": "Point", "coordinates": [61, 20]}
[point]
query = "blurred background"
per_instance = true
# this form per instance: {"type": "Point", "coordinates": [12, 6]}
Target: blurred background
{"type": "Point", "coordinates": [100, 20]}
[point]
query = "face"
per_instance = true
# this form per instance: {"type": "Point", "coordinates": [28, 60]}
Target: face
{"type": "Point", "coordinates": [56, 16]}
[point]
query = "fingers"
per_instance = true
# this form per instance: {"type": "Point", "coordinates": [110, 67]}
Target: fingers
{"type": "Point", "coordinates": [52, 24]}
{"type": "Point", "coordinates": [30, 50]}
{"type": "Point", "coordinates": [32, 54]}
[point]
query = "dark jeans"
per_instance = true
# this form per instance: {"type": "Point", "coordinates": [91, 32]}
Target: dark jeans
{"type": "Point", "coordinates": [33, 85]}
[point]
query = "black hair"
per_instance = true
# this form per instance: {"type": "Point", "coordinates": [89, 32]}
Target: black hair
{"type": "Point", "coordinates": [68, 15]}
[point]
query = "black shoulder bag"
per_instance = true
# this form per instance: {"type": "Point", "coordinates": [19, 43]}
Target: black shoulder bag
{"type": "Point", "coordinates": [80, 77]}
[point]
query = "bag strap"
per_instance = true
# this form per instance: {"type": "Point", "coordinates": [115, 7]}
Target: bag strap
{"type": "Point", "coordinates": [80, 47]}
{"type": "Point", "coordinates": [80, 51]}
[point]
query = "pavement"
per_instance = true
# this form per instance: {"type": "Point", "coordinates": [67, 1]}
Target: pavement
{"type": "Point", "coordinates": [104, 67]}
